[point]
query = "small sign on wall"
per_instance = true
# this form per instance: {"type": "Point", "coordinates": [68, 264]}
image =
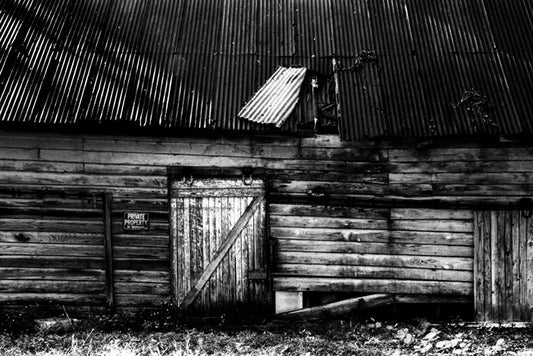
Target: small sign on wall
{"type": "Point", "coordinates": [135, 221]}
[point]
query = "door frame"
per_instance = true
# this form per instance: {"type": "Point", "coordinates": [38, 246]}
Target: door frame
{"type": "Point", "coordinates": [179, 173]}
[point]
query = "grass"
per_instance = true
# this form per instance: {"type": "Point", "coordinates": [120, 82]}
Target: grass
{"type": "Point", "coordinates": [328, 338]}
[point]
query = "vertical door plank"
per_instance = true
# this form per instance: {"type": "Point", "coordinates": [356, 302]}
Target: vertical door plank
{"type": "Point", "coordinates": [174, 252]}
{"type": "Point", "coordinates": [180, 246]}
{"type": "Point", "coordinates": [260, 253]}
{"type": "Point", "coordinates": [494, 265]}
{"type": "Point", "coordinates": [508, 268]}
{"type": "Point", "coordinates": [515, 264]}
{"type": "Point", "coordinates": [219, 284]}
{"type": "Point", "coordinates": [226, 221]}
{"type": "Point", "coordinates": [211, 220]}
{"type": "Point", "coordinates": [195, 241]}
{"type": "Point", "coordinates": [235, 214]}
{"type": "Point", "coordinates": [488, 272]}
{"type": "Point", "coordinates": [205, 250]}
{"type": "Point", "coordinates": [529, 278]}
{"type": "Point", "coordinates": [479, 271]}
{"type": "Point", "coordinates": [522, 236]}
{"type": "Point", "coordinates": [252, 285]}
{"type": "Point", "coordinates": [245, 237]}
{"type": "Point", "coordinates": [186, 246]}
{"type": "Point", "coordinates": [238, 258]}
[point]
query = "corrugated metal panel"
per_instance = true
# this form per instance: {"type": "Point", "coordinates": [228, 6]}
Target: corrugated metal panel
{"type": "Point", "coordinates": [276, 100]}
{"type": "Point", "coordinates": [194, 64]}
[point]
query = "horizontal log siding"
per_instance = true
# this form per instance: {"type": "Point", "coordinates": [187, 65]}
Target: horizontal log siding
{"type": "Point", "coordinates": [318, 183]}
{"type": "Point", "coordinates": [418, 251]}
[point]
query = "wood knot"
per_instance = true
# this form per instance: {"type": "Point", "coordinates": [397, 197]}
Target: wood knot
{"type": "Point", "coordinates": [21, 237]}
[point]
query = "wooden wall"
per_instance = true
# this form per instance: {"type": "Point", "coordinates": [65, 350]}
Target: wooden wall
{"type": "Point", "coordinates": [323, 195]}
{"type": "Point", "coordinates": [365, 250]}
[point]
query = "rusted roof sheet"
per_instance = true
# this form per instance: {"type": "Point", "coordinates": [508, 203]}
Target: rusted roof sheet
{"type": "Point", "coordinates": [194, 64]}
{"type": "Point", "coordinates": [276, 100]}
{"type": "Point", "coordinates": [430, 56]}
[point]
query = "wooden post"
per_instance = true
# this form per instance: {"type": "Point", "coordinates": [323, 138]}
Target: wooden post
{"type": "Point", "coordinates": [108, 245]}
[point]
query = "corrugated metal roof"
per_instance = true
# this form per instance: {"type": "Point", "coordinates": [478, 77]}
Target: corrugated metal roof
{"type": "Point", "coordinates": [195, 63]}
{"type": "Point", "coordinates": [430, 54]}
{"type": "Point", "coordinates": [276, 100]}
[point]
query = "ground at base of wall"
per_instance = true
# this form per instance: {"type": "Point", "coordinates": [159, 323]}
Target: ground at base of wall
{"type": "Point", "coordinates": [326, 338]}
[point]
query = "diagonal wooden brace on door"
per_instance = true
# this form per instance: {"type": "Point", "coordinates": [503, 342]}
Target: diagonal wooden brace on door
{"type": "Point", "coordinates": [222, 251]}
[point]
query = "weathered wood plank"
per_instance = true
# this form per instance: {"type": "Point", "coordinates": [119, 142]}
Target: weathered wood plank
{"type": "Point", "coordinates": [39, 166]}
{"type": "Point", "coordinates": [487, 263]}
{"type": "Point", "coordinates": [141, 300]}
{"type": "Point", "coordinates": [431, 214]}
{"type": "Point", "coordinates": [139, 276]}
{"type": "Point", "coordinates": [19, 153]}
{"type": "Point", "coordinates": [153, 159]}
{"type": "Point", "coordinates": [70, 179]}
{"type": "Point", "coordinates": [516, 304]}
{"type": "Point", "coordinates": [62, 261]}
{"type": "Point", "coordinates": [51, 286]}
{"type": "Point", "coordinates": [465, 178]}
{"type": "Point", "coordinates": [141, 252]}
{"type": "Point", "coordinates": [53, 237]}
{"type": "Point", "coordinates": [447, 263]}
{"type": "Point", "coordinates": [460, 154]}
{"type": "Point", "coordinates": [499, 265]}
{"type": "Point", "coordinates": [67, 203]}
{"type": "Point", "coordinates": [73, 226]}
{"type": "Point", "coordinates": [151, 240]}
{"type": "Point", "coordinates": [429, 299]}
{"type": "Point", "coordinates": [32, 249]}
{"type": "Point", "coordinates": [374, 248]}
{"type": "Point", "coordinates": [407, 197]}
{"type": "Point", "coordinates": [63, 298]}
{"type": "Point", "coordinates": [326, 222]}
{"type": "Point", "coordinates": [454, 166]}
{"type": "Point", "coordinates": [71, 274]}
{"type": "Point", "coordinates": [97, 262]}
{"type": "Point", "coordinates": [142, 288]}
{"type": "Point", "coordinates": [479, 268]}
{"type": "Point", "coordinates": [372, 286]}
{"type": "Point", "coordinates": [529, 258]}
{"type": "Point", "coordinates": [174, 251]}
{"type": "Point", "coordinates": [215, 148]}
{"type": "Point", "coordinates": [124, 169]}
{"type": "Point", "coordinates": [433, 225]}
{"type": "Point", "coordinates": [522, 233]}
{"type": "Point", "coordinates": [329, 211]}
{"type": "Point", "coordinates": [26, 140]}
{"type": "Point", "coordinates": [374, 272]}
{"type": "Point", "coordinates": [319, 187]}
{"type": "Point", "coordinates": [49, 213]}
{"type": "Point", "coordinates": [322, 172]}
{"type": "Point", "coordinates": [506, 263]}
{"type": "Point", "coordinates": [384, 236]}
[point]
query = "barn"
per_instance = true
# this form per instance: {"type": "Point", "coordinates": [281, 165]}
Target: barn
{"type": "Point", "coordinates": [243, 157]}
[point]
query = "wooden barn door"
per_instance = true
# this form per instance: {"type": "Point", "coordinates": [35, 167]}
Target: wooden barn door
{"type": "Point", "coordinates": [503, 271]}
{"type": "Point", "coordinates": [219, 252]}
